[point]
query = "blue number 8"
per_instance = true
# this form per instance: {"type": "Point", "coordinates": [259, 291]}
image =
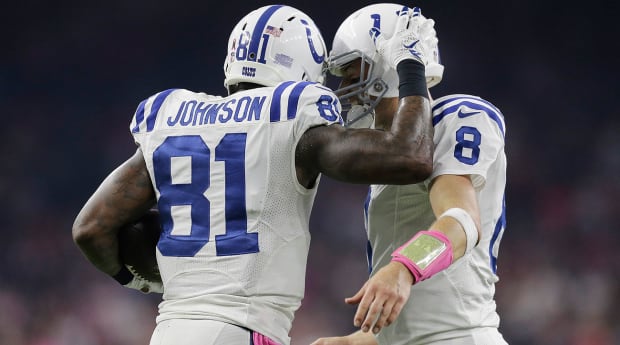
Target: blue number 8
{"type": "Point", "coordinates": [472, 143]}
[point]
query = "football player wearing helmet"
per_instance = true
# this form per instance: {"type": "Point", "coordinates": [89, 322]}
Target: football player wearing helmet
{"type": "Point", "coordinates": [234, 179]}
{"type": "Point", "coordinates": [432, 245]}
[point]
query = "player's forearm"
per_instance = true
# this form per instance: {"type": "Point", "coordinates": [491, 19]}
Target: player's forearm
{"type": "Point", "coordinates": [405, 145]}
{"type": "Point", "coordinates": [96, 226]}
{"type": "Point", "coordinates": [121, 198]}
{"type": "Point", "coordinates": [404, 153]}
{"type": "Point", "coordinates": [97, 244]}
{"type": "Point", "coordinates": [412, 128]}
{"type": "Point", "coordinates": [412, 123]}
{"type": "Point", "coordinates": [462, 223]}
{"type": "Point", "coordinates": [454, 232]}
{"type": "Point", "coordinates": [362, 156]}
{"type": "Point", "coordinates": [452, 235]}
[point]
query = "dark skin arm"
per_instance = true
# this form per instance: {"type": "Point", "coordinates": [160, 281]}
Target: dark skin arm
{"type": "Point", "coordinates": [401, 155]}
{"type": "Point", "coordinates": [124, 196]}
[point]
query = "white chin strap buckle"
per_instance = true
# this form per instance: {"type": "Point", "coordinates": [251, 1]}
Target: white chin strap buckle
{"type": "Point", "coordinates": [360, 116]}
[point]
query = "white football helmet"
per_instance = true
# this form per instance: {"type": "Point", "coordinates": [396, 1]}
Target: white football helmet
{"type": "Point", "coordinates": [274, 44]}
{"type": "Point", "coordinates": [352, 41]}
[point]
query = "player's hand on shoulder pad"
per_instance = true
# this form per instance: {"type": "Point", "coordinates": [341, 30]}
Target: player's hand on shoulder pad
{"type": "Point", "coordinates": [408, 39]}
{"type": "Point", "coordinates": [143, 285]}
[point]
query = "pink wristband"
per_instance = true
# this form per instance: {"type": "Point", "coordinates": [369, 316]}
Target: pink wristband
{"type": "Point", "coordinates": [432, 253]}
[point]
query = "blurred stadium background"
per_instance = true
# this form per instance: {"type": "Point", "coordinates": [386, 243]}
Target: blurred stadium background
{"type": "Point", "coordinates": [73, 72]}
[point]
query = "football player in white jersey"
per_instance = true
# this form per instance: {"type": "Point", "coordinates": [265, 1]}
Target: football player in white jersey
{"type": "Point", "coordinates": [432, 245]}
{"type": "Point", "coordinates": [234, 179]}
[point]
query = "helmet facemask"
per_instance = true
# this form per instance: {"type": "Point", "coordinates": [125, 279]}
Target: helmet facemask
{"type": "Point", "coordinates": [378, 81]}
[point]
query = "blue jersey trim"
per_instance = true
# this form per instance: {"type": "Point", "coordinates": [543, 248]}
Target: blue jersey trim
{"type": "Point", "coordinates": [488, 108]}
{"type": "Point", "coordinates": [259, 29]}
{"type": "Point", "coordinates": [501, 224]}
{"type": "Point", "coordinates": [276, 102]}
{"type": "Point", "coordinates": [369, 256]}
{"type": "Point", "coordinates": [368, 245]}
{"type": "Point", "coordinates": [139, 117]}
{"type": "Point", "coordinates": [293, 99]}
{"type": "Point", "coordinates": [159, 100]}
{"type": "Point", "coordinates": [457, 97]}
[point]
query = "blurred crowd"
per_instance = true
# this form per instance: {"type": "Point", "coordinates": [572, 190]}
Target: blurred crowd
{"type": "Point", "coordinates": [74, 75]}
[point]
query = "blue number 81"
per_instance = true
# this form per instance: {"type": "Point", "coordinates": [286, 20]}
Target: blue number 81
{"type": "Point", "coordinates": [230, 150]}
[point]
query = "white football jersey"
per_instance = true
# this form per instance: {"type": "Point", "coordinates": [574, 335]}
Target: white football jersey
{"type": "Point", "coordinates": [469, 140]}
{"type": "Point", "coordinates": [235, 237]}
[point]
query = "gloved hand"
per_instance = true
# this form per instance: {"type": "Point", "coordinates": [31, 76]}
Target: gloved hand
{"type": "Point", "coordinates": [143, 285]}
{"type": "Point", "coordinates": [430, 47]}
{"type": "Point", "coordinates": [406, 43]}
